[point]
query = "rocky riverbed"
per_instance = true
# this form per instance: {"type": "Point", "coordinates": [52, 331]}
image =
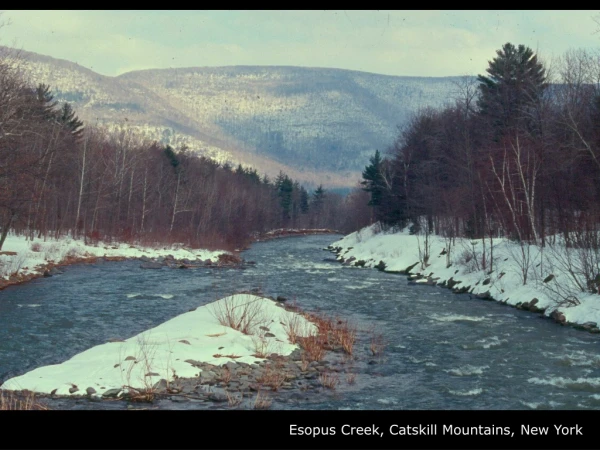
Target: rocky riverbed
{"type": "Point", "coordinates": [279, 379]}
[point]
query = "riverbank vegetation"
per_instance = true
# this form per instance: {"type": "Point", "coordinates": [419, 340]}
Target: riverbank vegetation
{"type": "Point", "coordinates": [515, 158]}
{"type": "Point", "coordinates": [61, 177]}
{"type": "Point", "coordinates": [243, 350]}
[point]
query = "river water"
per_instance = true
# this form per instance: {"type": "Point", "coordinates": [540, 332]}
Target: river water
{"type": "Point", "coordinates": [444, 351]}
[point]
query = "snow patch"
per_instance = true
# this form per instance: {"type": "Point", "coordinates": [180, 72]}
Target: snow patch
{"type": "Point", "coordinates": [399, 250]}
{"type": "Point", "coordinates": [193, 336]}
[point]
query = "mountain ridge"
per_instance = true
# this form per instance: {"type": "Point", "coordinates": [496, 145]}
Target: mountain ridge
{"type": "Point", "coordinates": [318, 125]}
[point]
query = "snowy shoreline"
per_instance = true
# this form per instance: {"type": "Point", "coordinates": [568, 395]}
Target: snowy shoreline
{"type": "Point", "coordinates": [22, 260]}
{"type": "Point", "coordinates": [243, 350]}
{"type": "Point", "coordinates": [174, 349]}
{"type": "Point", "coordinates": [404, 253]}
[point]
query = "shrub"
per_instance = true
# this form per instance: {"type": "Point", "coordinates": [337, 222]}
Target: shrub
{"type": "Point", "coordinates": [245, 316]}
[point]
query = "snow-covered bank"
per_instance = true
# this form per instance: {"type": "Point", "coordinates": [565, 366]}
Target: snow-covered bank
{"type": "Point", "coordinates": [549, 288]}
{"type": "Point", "coordinates": [22, 259]}
{"type": "Point", "coordinates": [174, 349]}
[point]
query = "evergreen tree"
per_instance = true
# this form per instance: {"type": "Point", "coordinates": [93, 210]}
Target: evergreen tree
{"type": "Point", "coordinates": [253, 175]}
{"type": "Point", "coordinates": [318, 198]}
{"type": "Point", "coordinates": [303, 200]}
{"type": "Point", "coordinates": [46, 101]}
{"type": "Point", "coordinates": [172, 157]}
{"type": "Point", "coordinates": [514, 84]}
{"type": "Point", "coordinates": [373, 180]}
{"type": "Point", "coordinates": [67, 117]}
{"type": "Point", "coordinates": [285, 188]}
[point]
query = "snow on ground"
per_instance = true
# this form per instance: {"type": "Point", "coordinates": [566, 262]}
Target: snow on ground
{"type": "Point", "coordinates": [162, 352]}
{"type": "Point", "coordinates": [32, 253]}
{"type": "Point", "coordinates": [400, 250]}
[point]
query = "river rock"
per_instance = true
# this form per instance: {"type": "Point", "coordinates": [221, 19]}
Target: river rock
{"type": "Point", "coordinates": [590, 326]}
{"type": "Point", "coordinates": [90, 391]}
{"type": "Point", "coordinates": [160, 386]}
{"type": "Point", "coordinates": [349, 261]}
{"type": "Point", "coordinates": [230, 365]}
{"type": "Point", "coordinates": [73, 389]}
{"type": "Point", "coordinates": [55, 271]}
{"type": "Point", "coordinates": [533, 306]}
{"type": "Point", "coordinates": [111, 393]}
{"type": "Point", "coordinates": [558, 317]}
{"type": "Point", "coordinates": [218, 397]}
{"type": "Point", "coordinates": [451, 283]}
{"type": "Point", "coordinates": [381, 266]}
{"type": "Point", "coordinates": [296, 355]}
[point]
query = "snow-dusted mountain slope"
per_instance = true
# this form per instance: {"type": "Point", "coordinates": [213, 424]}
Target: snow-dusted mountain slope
{"type": "Point", "coordinates": [319, 125]}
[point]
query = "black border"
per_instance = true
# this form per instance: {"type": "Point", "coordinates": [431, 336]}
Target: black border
{"type": "Point", "coordinates": [233, 429]}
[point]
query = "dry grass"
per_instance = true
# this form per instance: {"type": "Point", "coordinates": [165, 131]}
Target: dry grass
{"type": "Point", "coordinates": [26, 401]}
{"type": "Point", "coordinates": [304, 363]}
{"type": "Point", "coordinates": [329, 380]}
{"type": "Point", "coordinates": [332, 333]}
{"type": "Point", "coordinates": [233, 400]}
{"type": "Point", "coordinates": [245, 316]}
{"type": "Point", "coordinates": [293, 329]}
{"type": "Point", "coordinates": [145, 395]}
{"type": "Point", "coordinates": [350, 378]}
{"type": "Point", "coordinates": [143, 364]}
{"type": "Point", "coordinates": [262, 346]}
{"type": "Point", "coordinates": [313, 346]}
{"type": "Point", "coordinates": [262, 401]}
{"type": "Point", "coordinates": [225, 376]}
{"type": "Point", "coordinates": [344, 335]}
{"type": "Point", "coordinates": [376, 344]}
{"type": "Point", "coordinates": [272, 378]}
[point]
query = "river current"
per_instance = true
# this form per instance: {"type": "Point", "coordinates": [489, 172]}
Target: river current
{"type": "Point", "coordinates": [443, 351]}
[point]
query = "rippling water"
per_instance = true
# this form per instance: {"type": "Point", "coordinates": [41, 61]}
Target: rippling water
{"type": "Point", "coordinates": [444, 351]}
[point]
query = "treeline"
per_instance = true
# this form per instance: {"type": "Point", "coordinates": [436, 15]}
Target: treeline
{"type": "Point", "coordinates": [516, 155]}
{"type": "Point", "coordinates": [59, 178]}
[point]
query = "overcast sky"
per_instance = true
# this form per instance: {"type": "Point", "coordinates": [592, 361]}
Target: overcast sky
{"type": "Point", "coordinates": [422, 43]}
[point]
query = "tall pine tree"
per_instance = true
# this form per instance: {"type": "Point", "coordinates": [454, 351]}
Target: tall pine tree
{"type": "Point", "coordinates": [513, 86]}
{"type": "Point", "coordinates": [373, 180]}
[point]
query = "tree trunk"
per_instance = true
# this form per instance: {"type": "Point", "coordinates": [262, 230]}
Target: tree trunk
{"type": "Point", "coordinates": [6, 228]}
